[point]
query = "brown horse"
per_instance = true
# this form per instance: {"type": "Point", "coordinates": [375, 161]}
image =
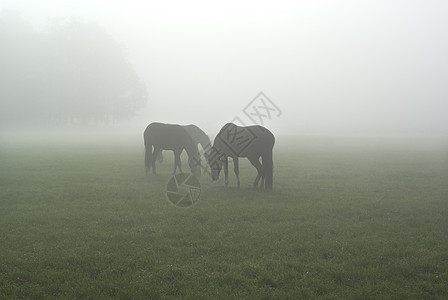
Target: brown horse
{"type": "Point", "coordinates": [251, 142]}
{"type": "Point", "coordinates": [198, 136]}
{"type": "Point", "coordinates": [170, 137]}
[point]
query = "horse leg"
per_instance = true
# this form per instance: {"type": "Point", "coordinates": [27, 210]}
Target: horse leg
{"type": "Point", "coordinates": [268, 169]}
{"type": "Point", "coordinates": [154, 157]}
{"type": "Point", "coordinates": [236, 169]}
{"type": "Point", "coordinates": [226, 171]}
{"type": "Point", "coordinates": [177, 162]}
{"type": "Point", "coordinates": [262, 175]}
{"type": "Point", "coordinates": [148, 158]}
{"type": "Point", "coordinates": [160, 157]}
{"type": "Point", "coordinates": [256, 163]}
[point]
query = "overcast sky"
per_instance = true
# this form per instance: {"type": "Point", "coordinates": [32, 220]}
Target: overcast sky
{"type": "Point", "coordinates": [331, 67]}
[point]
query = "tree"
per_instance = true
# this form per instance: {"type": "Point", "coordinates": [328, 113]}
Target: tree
{"type": "Point", "coordinates": [99, 85]}
{"type": "Point", "coordinates": [73, 73]}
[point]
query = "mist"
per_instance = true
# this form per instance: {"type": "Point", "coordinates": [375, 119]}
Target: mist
{"type": "Point", "coordinates": [338, 68]}
{"type": "Point", "coordinates": [342, 194]}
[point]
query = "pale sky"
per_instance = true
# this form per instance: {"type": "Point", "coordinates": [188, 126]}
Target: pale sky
{"type": "Point", "coordinates": [332, 67]}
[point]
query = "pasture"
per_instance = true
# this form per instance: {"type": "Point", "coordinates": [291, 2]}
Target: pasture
{"type": "Point", "coordinates": [347, 219]}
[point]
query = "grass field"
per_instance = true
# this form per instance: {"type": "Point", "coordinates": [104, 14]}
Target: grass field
{"type": "Point", "coordinates": [347, 219]}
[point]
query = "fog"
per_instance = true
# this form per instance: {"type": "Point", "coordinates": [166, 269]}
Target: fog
{"type": "Point", "coordinates": [353, 68]}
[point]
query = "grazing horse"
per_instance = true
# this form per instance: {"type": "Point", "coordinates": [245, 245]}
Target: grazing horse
{"type": "Point", "coordinates": [170, 137]}
{"type": "Point", "coordinates": [199, 137]}
{"type": "Point", "coordinates": [251, 142]}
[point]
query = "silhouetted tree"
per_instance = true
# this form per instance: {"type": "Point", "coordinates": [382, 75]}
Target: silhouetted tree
{"type": "Point", "coordinates": [98, 84]}
{"type": "Point", "coordinates": [73, 73]}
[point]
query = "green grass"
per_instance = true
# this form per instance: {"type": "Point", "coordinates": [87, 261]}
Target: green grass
{"type": "Point", "coordinates": [347, 219]}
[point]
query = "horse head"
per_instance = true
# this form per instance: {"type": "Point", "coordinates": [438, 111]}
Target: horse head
{"type": "Point", "coordinates": [216, 160]}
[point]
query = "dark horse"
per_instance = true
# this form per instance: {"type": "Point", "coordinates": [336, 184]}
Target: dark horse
{"type": "Point", "coordinates": [199, 138]}
{"type": "Point", "coordinates": [170, 137]}
{"type": "Point", "coordinates": [252, 142]}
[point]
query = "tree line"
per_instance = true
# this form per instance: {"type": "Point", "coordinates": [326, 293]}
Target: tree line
{"type": "Point", "coordinates": [71, 73]}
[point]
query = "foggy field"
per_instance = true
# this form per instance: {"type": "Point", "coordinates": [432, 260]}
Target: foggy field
{"type": "Point", "coordinates": [350, 216]}
{"type": "Point", "coordinates": [347, 219]}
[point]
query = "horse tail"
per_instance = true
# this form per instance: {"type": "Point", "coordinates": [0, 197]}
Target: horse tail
{"type": "Point", "coordinates": [148, 158]}
{"type": "Point", "coordinates": [268, 166]}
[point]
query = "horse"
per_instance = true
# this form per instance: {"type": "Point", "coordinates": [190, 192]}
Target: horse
{"type": "Point", "coordinates": [170, 137]}
{"type": "Point", "coordinates": [198, 136]}
{"type": "Point", "coordinates": [251, 142]}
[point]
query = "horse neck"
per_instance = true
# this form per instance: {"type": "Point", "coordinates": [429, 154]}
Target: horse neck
{"type": "Point", "coordinates": [205, 142]}
{"type": "Point", "coordinates": [191, 148]}
{"type": "Point", "coordinates": [199, 137]}
{"type": "Point", "coordinates": [216, 150]}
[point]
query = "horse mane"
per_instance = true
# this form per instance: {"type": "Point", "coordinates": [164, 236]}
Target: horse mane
{"type": "Point", "coordinates": [199, 136]}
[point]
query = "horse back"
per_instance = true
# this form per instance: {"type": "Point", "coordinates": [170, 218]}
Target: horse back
{"type": "Point", "coordinates": [166, 136]}
{"type": "Point", "coordinates": [237, 141]}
